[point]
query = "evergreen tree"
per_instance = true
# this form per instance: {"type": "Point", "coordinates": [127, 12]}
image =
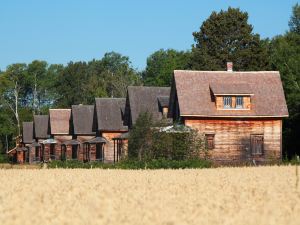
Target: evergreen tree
{"type": "Point", "coordinates": [227, 36]}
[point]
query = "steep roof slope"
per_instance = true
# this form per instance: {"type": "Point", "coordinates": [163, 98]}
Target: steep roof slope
{"type": "Point", "coordinates": [60, 121]}
{"type": "Point", "coordinates": [27, 133]}
{"type": "Point", "coordinates": [41, 126]}
{"type": "Point", "coordinates": [110, 114]}
{"type": "Point", "coordinates": [83, 119]}
{"type": "Point", "coordinates": [146, 99]}
{"type": "Point", "coordinates": [194, 92]}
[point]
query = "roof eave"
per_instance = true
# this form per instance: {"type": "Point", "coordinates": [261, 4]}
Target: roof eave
{"type": "Point", "coordinates": [238, 116]}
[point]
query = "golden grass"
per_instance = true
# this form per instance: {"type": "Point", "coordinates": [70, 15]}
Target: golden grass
{"type": "Point", "coordinates": [262, 195]}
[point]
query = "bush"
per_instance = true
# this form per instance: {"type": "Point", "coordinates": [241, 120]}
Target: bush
{"type": "Point", "coordinates": [133, 164]}
{"type": "Point", "coordinates": [149, 140]}
{"type": "Point", "coordinates": [4, 158]}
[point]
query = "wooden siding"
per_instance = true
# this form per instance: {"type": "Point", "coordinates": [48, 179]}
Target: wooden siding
{"type": "Point", "coordinates": [232, 137]}
{"type": "Point", "coordinates": [109, 147]}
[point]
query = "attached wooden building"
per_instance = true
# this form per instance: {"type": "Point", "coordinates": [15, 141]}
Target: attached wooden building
{"type": "Point", "coordinates": [110, 123]}
{"type": "Point", "coordinates": [91, 145]}
{"type": "Point", "coordinates": [141, 99]}
{"type": "Point", "coordinates": [61, 132]}
{"type": "Point", "coordinates": [239, 113]}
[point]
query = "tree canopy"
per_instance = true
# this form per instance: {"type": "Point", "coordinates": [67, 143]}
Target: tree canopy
{"type": "Point", "coordinates": [227, 36]}
{"type": "Point", "coordinates": [161, 64]}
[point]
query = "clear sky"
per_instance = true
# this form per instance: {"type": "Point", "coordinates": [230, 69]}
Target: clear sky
{"type": "Point", "coordinates": [59, 31]}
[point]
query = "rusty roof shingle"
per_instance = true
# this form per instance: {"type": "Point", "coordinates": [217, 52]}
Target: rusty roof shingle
{"type": "Point", "coordinates": [194, 96]}
{"type": "Point", "coordinates": [110, 114]}
{"type": "Point", "coordinates": [41, 126]}
{"type": "Point", "coordinates": [60, 121]}
{"type": "Point", "coordinates": [83, 119]}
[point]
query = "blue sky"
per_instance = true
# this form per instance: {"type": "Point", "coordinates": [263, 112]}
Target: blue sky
{"type": "Point", "coordinates": [59, 31]}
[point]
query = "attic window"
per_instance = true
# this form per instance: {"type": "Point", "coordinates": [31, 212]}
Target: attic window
{"type": "Point", "coordinates": [227, 102]}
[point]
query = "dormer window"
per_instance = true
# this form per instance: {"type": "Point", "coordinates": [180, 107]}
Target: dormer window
{"type": "Point", "coordinates": [231, 96]}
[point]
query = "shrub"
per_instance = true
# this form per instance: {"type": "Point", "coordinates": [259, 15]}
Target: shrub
{"type": "Point", "coordinates": [134, 164]}
{"type": "Point", "coordinates": [4, 158]}
{"type": "Point", "coordinates": [149, 140]}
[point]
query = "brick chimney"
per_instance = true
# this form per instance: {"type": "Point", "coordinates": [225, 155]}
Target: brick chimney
{"type": "Point", "coordinates": [229, 66]}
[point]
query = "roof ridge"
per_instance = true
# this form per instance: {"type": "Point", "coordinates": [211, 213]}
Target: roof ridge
{"type": "Point", "coordinates": [229, 72]}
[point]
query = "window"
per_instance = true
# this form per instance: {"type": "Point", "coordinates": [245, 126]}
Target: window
{"type": "Point", "coordinates": [239, 102]}
{"type": "Point", "coordinates": [210, 141]}
{"type": "Point", "coordinates": [227, 102]}
{"type": "Point", "coordinates": [257, 144]}
{"type": "Point", "coordinates": [74, 151]}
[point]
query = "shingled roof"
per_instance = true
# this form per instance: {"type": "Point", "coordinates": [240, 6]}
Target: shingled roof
{"type": "Point", "coordinates": [27, 132]}
{"type": "Point", "coordinates": [41, 126]}
{"type": "Point", "coordinates": [60, 121]}
{"type": "Point", "coordinates": [83, 119]}
{"type": "Point", "coordinates": [194, 91]}
{"type": "Point", "coordinates": [110, 114]}
{"type": "Point", "coordinates": [144, 99]}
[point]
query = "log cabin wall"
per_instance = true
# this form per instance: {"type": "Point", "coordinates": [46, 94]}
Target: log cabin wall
{"type": "Point", "coordinates": [232, 137]}
{"type": "Point", "coordinates": [109, 146]}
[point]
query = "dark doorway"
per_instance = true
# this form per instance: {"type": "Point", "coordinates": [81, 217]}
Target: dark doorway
{"type": "Point", "coordinates": [74, 151]}
{"type": "Point", "coordinates": [99, 155]}
{"type": "Point", "coordinates": [37, 154]}
{"type": "Point", "coordinates": [52, 151]}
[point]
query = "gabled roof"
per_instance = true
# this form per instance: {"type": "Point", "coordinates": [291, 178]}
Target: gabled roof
{"type": "Point", "coordinates": [110, 114]}
{"type": "Point", "coordinates": [145, 99]}
{"type": "Point", "coordinates": [83, 119]}
{"type": "Point", "coordinates": [41, 126]}
{"type": "Point", "coordinates": [27, 132]}
{"type": "Point", "coordinates": [194, 92]}
{"type": "Point", "coordinates": [60, 121]}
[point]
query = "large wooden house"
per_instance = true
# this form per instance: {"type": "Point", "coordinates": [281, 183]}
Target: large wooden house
{"type": "Point", "coordinates": [239, 113]}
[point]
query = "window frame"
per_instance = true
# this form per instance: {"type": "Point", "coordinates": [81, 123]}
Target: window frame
{"type": "Point", "coordinates": [239, 99]}
{"type": "Point", "coordinates": [209, 137]}
{"type": "Point", "coordinates": [252, 139]}
{"type": "Point", "coordinates": [226, 100]}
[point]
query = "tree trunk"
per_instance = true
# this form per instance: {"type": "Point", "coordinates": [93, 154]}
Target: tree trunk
{"type": "Point", "coordinates": [16, 108]}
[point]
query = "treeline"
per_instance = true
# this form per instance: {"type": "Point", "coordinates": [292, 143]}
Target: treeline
{"type": "Point", "coordinates": [28, 89]}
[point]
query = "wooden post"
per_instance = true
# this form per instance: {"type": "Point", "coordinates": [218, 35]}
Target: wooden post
{"type": "Point", "coordinates": [114, 151]}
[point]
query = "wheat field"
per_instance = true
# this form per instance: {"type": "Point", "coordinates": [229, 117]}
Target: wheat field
{"type": "Point", "coordinates": [261, 195]}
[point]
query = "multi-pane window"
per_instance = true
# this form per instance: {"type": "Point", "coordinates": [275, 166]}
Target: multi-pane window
{"type": "Point", "coordinates": [210, 141]}
{"type": "Point", "coordinates": [227, 102]}
{"type": "Point", "coordinates": [239, 102]}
